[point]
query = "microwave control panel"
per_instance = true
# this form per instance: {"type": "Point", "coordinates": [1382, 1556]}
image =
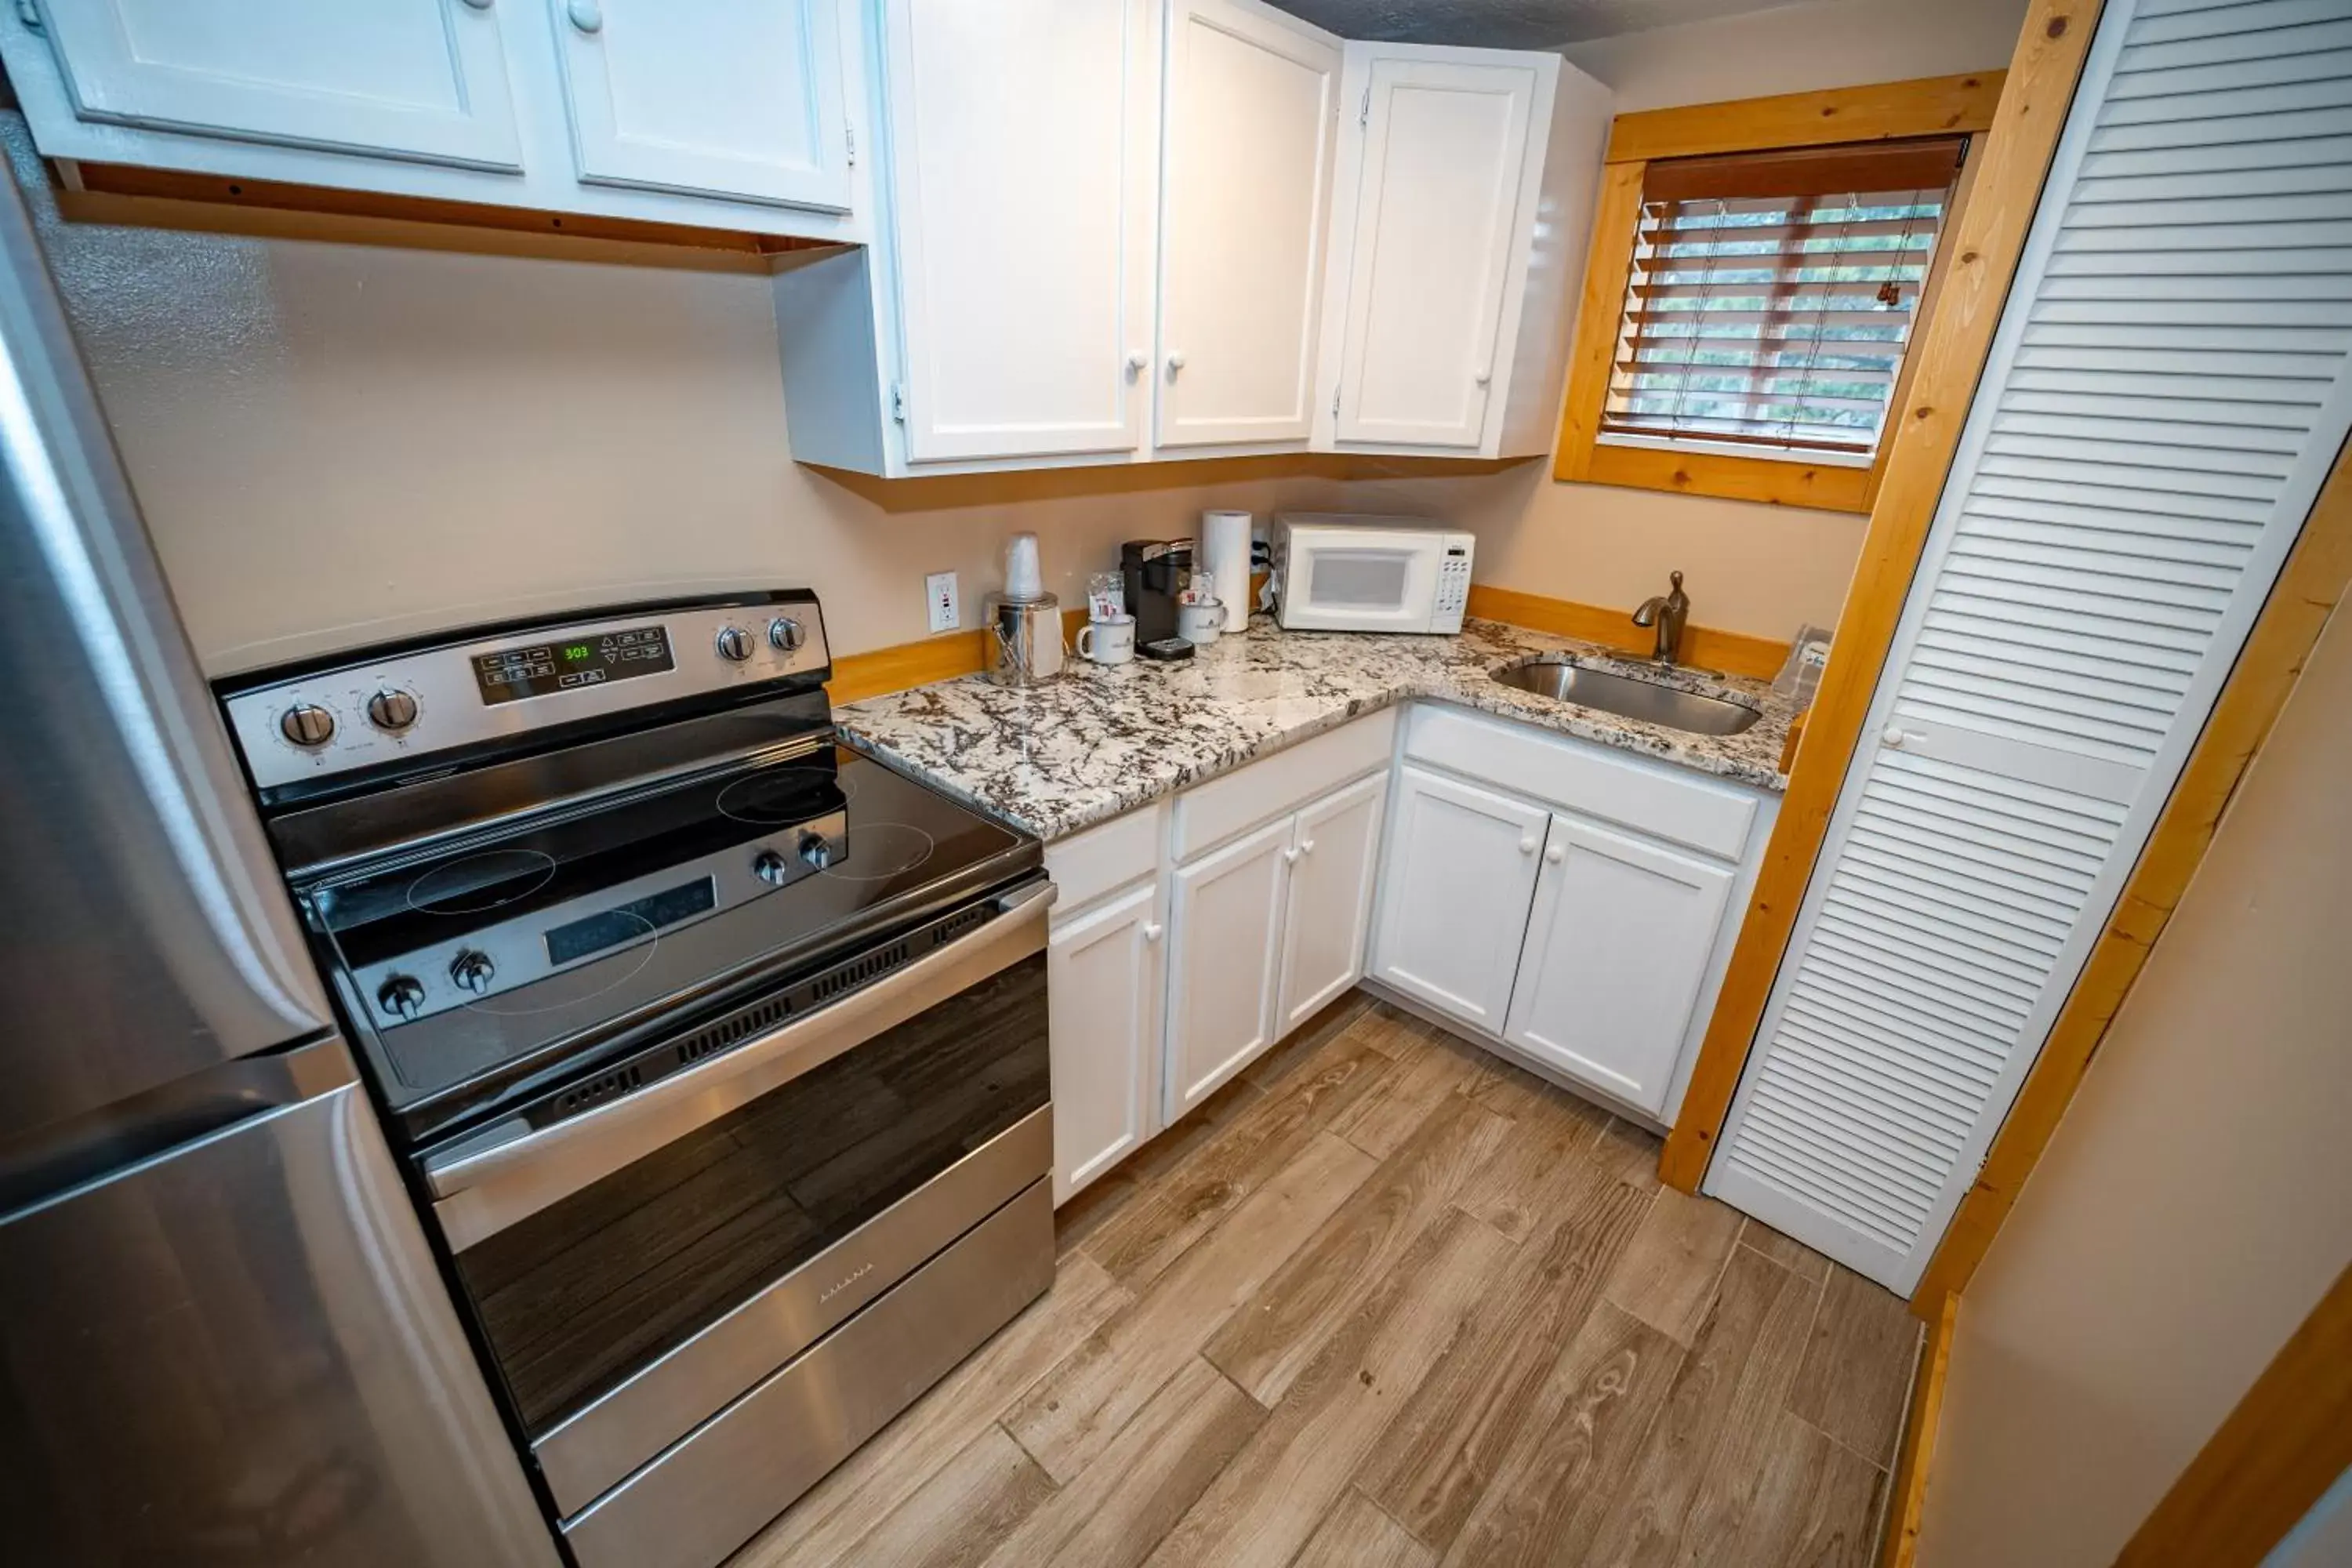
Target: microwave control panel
{"type": "Point", "coordinates": [1452, 587]}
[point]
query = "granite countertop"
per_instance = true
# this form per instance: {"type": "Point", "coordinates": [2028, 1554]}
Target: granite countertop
{"type": "Point", "coordinates": [1106, 738]}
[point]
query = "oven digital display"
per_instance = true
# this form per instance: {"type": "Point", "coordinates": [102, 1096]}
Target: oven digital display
{"type": "Point", "coordinates": [625, 923]}
{"type": "Point", "coordinates": [569, 664]}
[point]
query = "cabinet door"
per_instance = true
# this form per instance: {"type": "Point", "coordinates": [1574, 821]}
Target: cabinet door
{"type": "Point", "coordinates": [1024, 138]}
{"type": "Point", "coordinates": [739, 98]}
{"type": "Point", "coordinates": [1104, 1002]}
{"type": "Point", "coordinates": [1616, 951]}
{"type": "Point", "coordinates": [1445, 149]}
{"type": "Point", "coordinates": [423, 79]}
{"type": "Point", "coordinates": [1329, 915]}
{"type": "Point", "coordinates": [1454, 903]}
{"type": "Point", "coordinates": [1225, 945]}
{"type": "Point", "coordinates": [1251, 122]}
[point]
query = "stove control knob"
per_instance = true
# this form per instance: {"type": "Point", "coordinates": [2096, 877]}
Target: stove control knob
{"type": "Point", "coordinates": [770, 868]}
{"type": "Point", "coordinates": [402, 996]}
{"type": "Point", "coordinates": [471, 971]}
{"type": "Point", "coordinates": [784, 633]}
{"type": "Point", "coordinates": [392, 708]}
{"type": "Point", "coordinates": [817, 850]}
{"type": "Point", "coordinates": [734, 643]}
{"type": "Point", "coordinates": [307, 724]}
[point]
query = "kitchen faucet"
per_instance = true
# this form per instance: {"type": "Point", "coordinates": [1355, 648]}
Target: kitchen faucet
{"type": "Point", "coordinates": [1668, 616]}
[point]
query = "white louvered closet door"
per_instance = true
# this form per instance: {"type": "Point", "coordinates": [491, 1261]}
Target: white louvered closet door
{"type": "Point", "coordinates": [2167, 391]}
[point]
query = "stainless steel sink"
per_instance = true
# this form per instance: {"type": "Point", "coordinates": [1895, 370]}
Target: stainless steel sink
{"type": "Point", "coordinates": [1629, 698]}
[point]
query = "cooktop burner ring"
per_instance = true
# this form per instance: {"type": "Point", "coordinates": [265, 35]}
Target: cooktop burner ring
{"type": "Point", "coordinates": [604, 967]}
{"type": "Point", "coordinates": [458, 887]}
{"type": "Point", "coordinates": [887, 849]}
{"type": "Point", "coordinates": [750, 798]}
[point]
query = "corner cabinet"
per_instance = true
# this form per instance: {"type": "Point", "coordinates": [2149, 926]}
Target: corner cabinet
{"type": "Point", "coordinates": [1571, 906]}
{"type": "Point", "coordinates": [742, 115]}
{"type": "Point", "coordinates": [1127, 230]}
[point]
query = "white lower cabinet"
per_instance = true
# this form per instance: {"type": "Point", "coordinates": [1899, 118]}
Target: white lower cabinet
{"type": "Point", "coordinates": [1103, 980]}
{"type": "Point", "coordinates": [1334, 857]}
{"type": "Point", "coordinates": [1224, 962]}
{"type": "Point", "coordinates": [1616, 953]}
{"type": "Point", "coordinates": [1462, 865]}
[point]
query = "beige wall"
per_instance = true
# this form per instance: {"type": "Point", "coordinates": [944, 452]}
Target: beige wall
{"type": "Point", "coordinates": [2197, 1201]}
{"type": "Point", "coordinates": [336, 442]}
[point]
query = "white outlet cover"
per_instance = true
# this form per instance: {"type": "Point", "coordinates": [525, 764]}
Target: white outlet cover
{"type": "Point", "coordinates": [944, 603]}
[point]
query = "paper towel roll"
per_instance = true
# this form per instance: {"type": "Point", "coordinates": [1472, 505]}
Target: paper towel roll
{"type": "Point", "coordinates": [1225, 555]}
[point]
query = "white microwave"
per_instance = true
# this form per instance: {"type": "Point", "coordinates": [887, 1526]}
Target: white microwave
{"type": "Point", "coordinates": [1337, 573]}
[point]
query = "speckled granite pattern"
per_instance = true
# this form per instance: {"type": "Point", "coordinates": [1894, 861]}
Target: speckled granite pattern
{"type": "Point", "coordinates": [1105, 738]}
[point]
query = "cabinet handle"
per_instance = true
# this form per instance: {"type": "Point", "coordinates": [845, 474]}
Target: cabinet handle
{"type": "Point", "coordinates": [1528, 844]}
{"type": "Point", "coordinates": [1175, 364]}
{"type": "Point", "coordinates": [1290, 856]}
{"type": "Point", "coordinates": [1895, 736]}
{"type": "Point", "coordinates": [1482, 377]}
{"type": "Point", "coordinates": [1151, 930]}
{"type": "Point", "coordinates": [1307, 846]}
{"type": "Point", "coordinates": [585, 15]}
{"type": "Point", "coordinates": [1136, 360]}
{"type": "Point", "coordinates": [1555, 854]}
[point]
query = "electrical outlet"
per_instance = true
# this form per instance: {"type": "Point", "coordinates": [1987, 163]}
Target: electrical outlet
{"type": "Point", "coordinates": [940, 594]}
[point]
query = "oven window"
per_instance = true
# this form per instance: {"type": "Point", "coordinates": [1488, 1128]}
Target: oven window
{"type": "Point", "coordinates": [1358, 579]}
{"type": "Point", "coordinates": [580, 1295]}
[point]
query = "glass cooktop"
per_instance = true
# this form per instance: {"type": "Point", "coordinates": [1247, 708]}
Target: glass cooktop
{"type": "Point", "coordinates": [508, 953]}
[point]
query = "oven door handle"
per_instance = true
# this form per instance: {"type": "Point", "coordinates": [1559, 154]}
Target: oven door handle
{"type": "Point", "coordinates": [480, 1190]}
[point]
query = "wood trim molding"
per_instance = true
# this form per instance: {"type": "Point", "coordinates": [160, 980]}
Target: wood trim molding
{"type": "Point", "coordinates": [1986, 246]}
{"type": "Point", "coordinates": [2316, 578]}
{"type": "Point", "coordinates": [2288, 1439]}
{"type": "Point", "coordinates": [1924, 106]}
{"type": "Point", "coordinates": [1928, 106]}
{"type": "Point", "coordinates": [1734, 653]}
{"type": "Point", "coordinates": [903, 666]}
{"type": "Point", "coordinates": [1899, 1547]}
{"type": "Point", "coordinates": [93, 190]}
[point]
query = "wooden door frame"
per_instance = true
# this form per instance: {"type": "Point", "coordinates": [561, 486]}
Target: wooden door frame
{"type": "Point", "coordinates": [1987, 243]}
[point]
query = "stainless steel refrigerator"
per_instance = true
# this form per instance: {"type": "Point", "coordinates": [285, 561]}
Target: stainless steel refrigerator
{"type": "Point", "coordinates": [223, 1338]}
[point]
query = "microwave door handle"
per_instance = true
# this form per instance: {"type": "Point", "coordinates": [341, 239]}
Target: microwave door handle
{"type": "Point", "coordinates": [480, 1189]}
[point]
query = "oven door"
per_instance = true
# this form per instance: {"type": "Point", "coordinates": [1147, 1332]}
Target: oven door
{"type": "Point", "coordinates": [639, 1268]}
{"type": "Point", "coordinates": [1359, 579]}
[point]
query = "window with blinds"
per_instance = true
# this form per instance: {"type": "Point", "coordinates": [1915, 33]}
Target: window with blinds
{"type": "Point", "coordinates": [1773, 296]}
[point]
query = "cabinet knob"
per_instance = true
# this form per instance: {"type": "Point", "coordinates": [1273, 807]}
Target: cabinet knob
{"type": "Point", "coordinates": [1290, 856]}
{"type": "Point", "coordinates": [1151, 930]}
{"type": "Point", "coordinates": [1528, 844]}
{"type": "Point", "coordinates": [1895, 736]}
{"type": "Point", "coordinates": [1175, 364]}
{"type": "Point", "coordinates": [1555, 854]}
{"type": "Point", "coordinates": [1137, 360]}
{"type": "Point", "coordinates": [1307, 846]}
{"type": "Point", "coordinates": [1482, 377]}
{"type": "Point", "coordinates": [586, 16]}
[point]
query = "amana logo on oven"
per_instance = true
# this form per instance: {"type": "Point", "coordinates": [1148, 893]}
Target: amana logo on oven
{"type": "Point", "coordinates": [843, 1283]}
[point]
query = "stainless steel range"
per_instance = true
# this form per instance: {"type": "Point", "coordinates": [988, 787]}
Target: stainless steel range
{"type": "Point", "coordinates": [718, 1050]}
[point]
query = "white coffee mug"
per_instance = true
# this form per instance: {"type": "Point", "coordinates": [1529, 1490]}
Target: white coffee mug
{"type": "Point", "coordinates": [1108, 642]}
{"type": "Point", "coordinates": [1201, 622]}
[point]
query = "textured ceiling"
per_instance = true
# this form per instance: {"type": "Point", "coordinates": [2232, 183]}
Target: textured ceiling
{"type": "Point", "coordinates": [1508, 24]}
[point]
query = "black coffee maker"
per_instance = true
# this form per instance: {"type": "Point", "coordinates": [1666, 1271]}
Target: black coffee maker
{"type": "Point", "coordinates": [1157, 571]}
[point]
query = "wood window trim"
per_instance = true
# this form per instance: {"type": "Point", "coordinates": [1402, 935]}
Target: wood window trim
{"type": "Point", "coordinates": [1929, 106]}
{"type": "Point", "coordinates": [1986, 242]}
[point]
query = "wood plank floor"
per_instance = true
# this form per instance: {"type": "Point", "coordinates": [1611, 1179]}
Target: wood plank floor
{"type": "Point", "coordinates": [1386, 1299]}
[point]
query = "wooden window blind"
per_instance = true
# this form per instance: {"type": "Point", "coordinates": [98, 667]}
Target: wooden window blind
{"type": "Point", "coordinates": [1773, 295]}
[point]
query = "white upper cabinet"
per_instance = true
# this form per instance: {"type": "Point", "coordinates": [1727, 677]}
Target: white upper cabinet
{"type": "Point", "coordinates": [1023, 142]}
{"type": "Point", "coordinates": [1252, 124]}
{"type": "Point", "coordinates": [401, 79]}
{"type": "Point", "coordinates": [1616, 953]}
{"type": "Point", "coordinates": [737, 98]}
{"type": "Point", "coordinates": [1461, 868]}
{"type": "Point", "coordinates": [1445, 146]}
